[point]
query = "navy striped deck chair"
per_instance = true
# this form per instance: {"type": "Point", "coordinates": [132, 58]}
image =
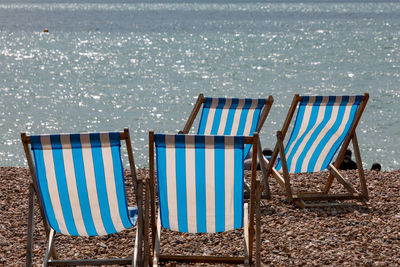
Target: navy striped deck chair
{"type": "Point", "coordinates": [324, 125]}
{"type": "Point", "coordinates": [79, 182]}
{"type": "Point", "coordinates": [200, 181]}
{"type": "Point", "coordinates": [231, 116]}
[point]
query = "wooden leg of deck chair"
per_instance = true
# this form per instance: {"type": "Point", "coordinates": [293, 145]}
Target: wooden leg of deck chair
{"type": "Point", "coordinates": [139, 235]}
{"type": "Point", "coordinates": [152, 189]}
{"type": "Point", "coordinates": [364, 189]}
{"type": "Point", "coordinates": [31, 216]}
{"type": "Point", "coordinates": [193, 114]}
{"type": "Point", "coordinates": [284, 167]}
{"type": "Point", "coordinates": [258, 226]}
{"type": "Point", "coordinates": [341, 179]}
{"type": "Point", "coordinates": [266, 190]}
{"type": "Point", "coordinates": [156, 245]}
{"type": "Point", "coordinates": [49, 248]}
{"type": "Point", "coordinates": [135, 251]}
{"type": "Point", "coordinates": [278, 177]}
{"type": "Point", "coordinates": [146, 224]}
{"type": "Point", "coordinates": [246, 234]}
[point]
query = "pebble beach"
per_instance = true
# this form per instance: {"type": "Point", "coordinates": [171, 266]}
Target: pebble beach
{"type": "Point", "coordinates": [367, 235]}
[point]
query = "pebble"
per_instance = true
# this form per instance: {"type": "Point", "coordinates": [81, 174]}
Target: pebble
{"type": "Point", "coordinates": [349, 236]}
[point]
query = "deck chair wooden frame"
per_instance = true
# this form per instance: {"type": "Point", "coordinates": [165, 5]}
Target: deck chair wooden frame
{"type": "Point", "coordinates": [263, 116]}
{"type": "Point", "coordinates": [252, 219]}
{"type": "Point", "coordinates": [323, 198]}
{"type": "Point", "coordinates": [51, 258]}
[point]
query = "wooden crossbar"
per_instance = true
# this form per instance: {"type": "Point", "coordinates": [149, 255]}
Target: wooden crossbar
{"type": "Point", "coordinates": [322, 196]}
{"type": "Point", "coordinates": [98, 262]}
{"type": "Point", "coordinates": [205, 259]}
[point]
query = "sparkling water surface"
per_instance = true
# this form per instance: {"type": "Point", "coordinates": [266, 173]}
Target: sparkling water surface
{"type": "Point", "coordinates": [106, 65]}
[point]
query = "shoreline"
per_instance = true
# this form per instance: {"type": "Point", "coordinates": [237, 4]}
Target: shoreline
{"type": "Point", "coordinates": [359, 235]}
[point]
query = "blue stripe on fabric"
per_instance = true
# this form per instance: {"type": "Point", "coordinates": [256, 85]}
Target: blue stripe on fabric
{"type": "Point", "coordinates": [119, 179]}
{"type": "Point", "coordinates": [238, 183]}
{"type": "Point", "coordinates": [219, 146]}
{"type": "Point", "coordinates": [204, 116]}
{"type": "Point", "coordinates": [41, 177]}
{"type": "Point", "coordinates": [340, 140]}
{"type": "Point", "coordinates": [326, 117]}
{"type": "Point", "coordinates": [311, 122]}
{"type": "Point", "coordinates": [181, 194]}
{"type": "Point", "coordinates": [61, 179]}
{"type": "Point", "coordinates": [295, 131]}
{"type": "Point", "coordinates": [101, 187]}
{"type": "Point", "coordinates": [81, 185]}
{"type": "Point", "coordinates": [162, 179]}
{"type": "Point", "coordinates": [254, 124]}
{"type": "Point", "coordinates": [243, 117]}
{"type": "Point", "coordinates": [217, 115]}
{"type": "Point", "coordinates": [231, 115]}
{"type": "Point", "coordinates": [328, 135]}
{"type": "Point", "coordinates": [256, 117]}
{"type": "Point", "coordinates": [200, 156]}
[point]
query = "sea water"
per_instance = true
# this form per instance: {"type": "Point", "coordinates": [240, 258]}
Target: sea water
{"type": "Point", "coordinates": [105, 65]}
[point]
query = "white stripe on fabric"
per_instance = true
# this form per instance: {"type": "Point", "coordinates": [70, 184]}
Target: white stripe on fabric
{"type": "Point", "coordinates": [321, 135]}
{"type": "Point", "coordinates": [236, 118]}
{"type": "Point", "coordinates": [110, 181]}
{"type": "Point", "coordinates": [210, 183]}
{"type": "Point", "coordinates": [224, 116]}
{"type": "Point", "coordinates": [250, 115]}
{"type": "Point", "coordinates": [336, 135]}
{"type": "Point", "coordinates": [191, 205]}
{"type": "Point", "coordinates": [211, 115]}
{"type": "Point", "coordinates": [229, 183]}
{"type": "Point", "coordinates": [91, 184]}
{"type": "Point", "coordinates": [171, 182]}
{"type": "Point", "coordinates": [52, 183]}
{"type": "Point", "coordinates": [300, 148]}
{"type": "Point", "coordinates": [71, 184]}
{"type": "Point", "coordinates": [304, 124]}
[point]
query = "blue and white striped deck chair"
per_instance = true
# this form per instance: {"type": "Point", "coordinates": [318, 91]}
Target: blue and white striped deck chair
{"type": "Point", "coordinates": [200, 181]}
{"type": "Point", "coordinates": [324, 124]}
{"type": "Point", "coordinates": [80, 184]}
{"type": "Point", "coordinates": [231, 116]}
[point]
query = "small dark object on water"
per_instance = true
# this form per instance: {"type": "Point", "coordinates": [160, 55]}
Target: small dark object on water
{"type": "Point", "coordinates": [348, 163]}
{"type": "Point", "coordinates": [376, 167]}
{"type": "Point", "coordinates": [45, 30]}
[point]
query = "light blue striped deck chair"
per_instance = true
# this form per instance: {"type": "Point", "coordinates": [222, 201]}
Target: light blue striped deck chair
{"type": "Point", "coordinates": [200, 181]}
{"type": "Point", "coordinates": [79, 182]}
{"type": "Point", "coordinates": [231, 116]}
{"type": "Point", "coordinates": [323, 126]}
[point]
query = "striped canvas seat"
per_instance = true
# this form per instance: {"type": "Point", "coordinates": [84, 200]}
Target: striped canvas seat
{"type": "Point", "coordinates": [230, 116]}
{"type": "Point", "coordinates": [81, 180]}
{"type": "Point", "coordinates": [199, 191]}
{"type": "Point", "coordinates": [324, 125]}
{"type": "Point", "coordinates": [233, 117]}
{"type": "Point", "coordinates": [200, 181]}
{"type": "Point", "coordinates": [321, 125]}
